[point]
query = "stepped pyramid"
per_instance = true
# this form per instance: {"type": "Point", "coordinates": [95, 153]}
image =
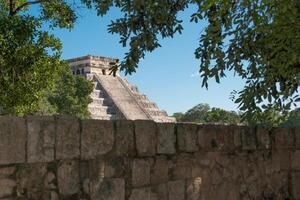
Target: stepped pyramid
{"type": "Point", "coordinates": [113, 96]}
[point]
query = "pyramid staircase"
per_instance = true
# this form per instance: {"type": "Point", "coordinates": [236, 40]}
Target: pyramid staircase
{"type": "Point", "coordinates": [102, 106]}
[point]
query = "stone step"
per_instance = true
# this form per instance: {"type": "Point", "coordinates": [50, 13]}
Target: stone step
{"type": "Point", "coordinates": [97, 101]}
{"type": "Point", "coordinates": [104, 117]}
{"type": "Point", "coordinates": [97, 109]}
{"type": "Point", "coordinates": [97, 93]}
{"type": "Point", "coordinates": [134, 88]}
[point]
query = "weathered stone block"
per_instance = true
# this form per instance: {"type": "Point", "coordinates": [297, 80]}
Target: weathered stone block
{"type": "Point", "coordinates": [108, 189]}
{"type": "Point", "coordinates": [182, 166]}
{"type": "Point", "coordinates": [41, 139]}
{"type": "Point", "coordinates": [145, 137]}
{"type": "Point", "coordinates": [116, 167]}
{"type": "Point", "coordinates": [141, 194]}
{"type": "Point", "coordinates": [32, 181]}
{"type": "Point", "coordinates": [211, 137]}
{"type": "Point", "coordinates": [248, 138]}
{"type": "Point", "coordinates": [124, 144]}
{"type": "Point", "coordinates": [97, 138]}
{"type": "Point", "coordinates": [162, 191]}
{"type": "Point", "coordinates": [263, 138]}
{"type": "Point", "coordinates": [176, 190]}
{"type": "Point", "coordinates": [160, 170]}
{"type": "Point", "coordinates": [194, 188]}
{"type": "Point", "coordinates": [295, 160]}
{"type": "Point", "coordinates": [295, 185]}
{"type": "Point", "coordinates": [68, 178]}
{"type": "Point", "coordinates": [12, 140]}
{"type": "Point", "coordinates": [140, 172]}
{"type": "Point", "coordinates": [237, 137]}
{"type": "Point", "coordinates": [166, 138]}
{"type": "Point", "coordinates": [67, 138]}
{"type": "Point", "coordinates": [284, 138]}
{"type": "Point", "coordinates": [7, 187]}
{"type": "Point", "coordinates": [187, 137]}
{"type": "Point", "coordinates": [6, 172]}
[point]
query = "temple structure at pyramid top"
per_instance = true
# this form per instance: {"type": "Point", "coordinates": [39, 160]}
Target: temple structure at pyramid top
{"type": "Point", "coordinates": [113, 97]}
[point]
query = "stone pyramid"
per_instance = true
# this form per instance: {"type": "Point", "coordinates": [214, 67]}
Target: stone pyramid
{"type": "Point", "coordinates": [113, 97]}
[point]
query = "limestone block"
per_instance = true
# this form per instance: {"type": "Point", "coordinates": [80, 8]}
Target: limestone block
{"type": "Point", "coordinates": [211, 137]}
{"type": "Point", "coordinates": [6, 187]}
{"type": "Point", "coordinates": [194, 188]}
{"type": "Point", "coordinates": [284, 138]}
{"type": "Point", "coordinates": [145, 137]}
{"type": "Point", "coordinates": [160, 171]}
{"type": "Point", "coordinates": [124, 138]}
{"type": "Point", "coordinates": [12, 140]}
{"type": "Point", "coordinates": [162, 191]}
{"type": "Point", "coordinates": [97, 138]}
{"type": "Point", "coordinates": [228, 137]}
{"type": "Point", "coordinates": [187, 137]}
{"type": "Point", "coordinates": [263, 138]}
{"type": "Point", "coordinates": [237, 137]}
{"type": "Point", "coordinates": [116, 167]}
{"type": "Point", "coordinates": [295, 160]}
{"type": "Point", "coordinates": [181, 167]}
{"type": "Point", "coordinates": [166, 138]}
{"type": "Point", "coordinates": [140, 172]}
{"type": "Point", "coordinates": [140, 194]}
{"type": "Point", "coordinates": [295, 185]}
{"type": "Point", "coordinates": [176, 190]}
{"type": "Point", "coordinates": [68, 178]}
{"type": "Point", "coordinates": [248, 138]}
{"type": "Point", "coordinates": [32, 181]}
{"type": "Point", "coordinates": [67, 138]}
{"type": "Point", "coordinates": [108, 189]}
{"type": "Point", "coordinates": [41, 137]}
{"type": "Point", "coordinates": [6, 172]}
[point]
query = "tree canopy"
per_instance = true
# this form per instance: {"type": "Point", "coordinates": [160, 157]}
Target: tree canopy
{"type": "Point", "coordinates": [32, 75]}
{"type": "Point", "coordinates": [202, 113]}
{"type": "Point", "coordinates": [258, 40]}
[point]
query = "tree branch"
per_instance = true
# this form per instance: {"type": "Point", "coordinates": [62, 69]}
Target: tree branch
{"type": "Point", "coordinates": [18, 9]}
{"type": "Point", "coordinates": [11, 7]}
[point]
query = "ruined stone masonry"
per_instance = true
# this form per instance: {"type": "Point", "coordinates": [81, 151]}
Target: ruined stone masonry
{"type": "Point", "coordinates": [62, 158]}
{"type": "Point", "coordinates": [113, 97]}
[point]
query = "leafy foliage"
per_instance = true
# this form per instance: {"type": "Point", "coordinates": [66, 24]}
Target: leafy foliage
{"type": "Point", "coordinates": [26, 66]}
{"type": "Point", "coordinates": [258, 40]}
{"type": "Point", "coordinates": [202, 113]}
{"type": "Point", "coordinates": [33, 79]}
{"type": "Point", "coordinates": [71, 95]}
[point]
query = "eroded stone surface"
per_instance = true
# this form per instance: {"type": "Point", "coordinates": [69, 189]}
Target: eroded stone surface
{"type": "Point", "coordinates": [124, 138]}
{"type": "Point", "coordinates": [166, 138]}
{"type": "Point", "coordinates": [109, 189]}
{"type": "Point", "coordinates": [145, 137]}
{"type": "Point", "coordinates": [187, 137]}
{"type": "Point", "coordinates": [12, 140]}
{"type": "Point", "coordinates": [140, 172]}
{"type": "Point", "coordinates": [160, 171]}
{"type": "Point", "coordinates": [68, 177]}
{"type": "Point", "coordinates": [67, 138]}
{"type": "Point", "coordinates": [141, 193]}
{"type": "Point", "coordinates": [97, 138]}
{"type": "Point", "coordinates": [176, 190]}
{"type": "Point", "coordinates": [41, 139]}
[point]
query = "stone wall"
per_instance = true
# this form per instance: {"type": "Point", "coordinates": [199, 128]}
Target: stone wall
{"type": "Point", "coordinates": [47, 158]}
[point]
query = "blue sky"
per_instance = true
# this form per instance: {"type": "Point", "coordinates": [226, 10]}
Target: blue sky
{"type": "Point", "coordinates": [168, 76]}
